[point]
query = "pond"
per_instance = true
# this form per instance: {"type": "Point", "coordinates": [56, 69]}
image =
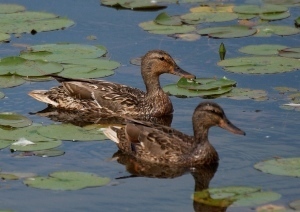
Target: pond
{"type": "Point", "coordinates": [271, 132]}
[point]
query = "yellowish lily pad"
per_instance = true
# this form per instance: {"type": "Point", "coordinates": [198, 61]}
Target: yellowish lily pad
{"type": "Point", "coordinates": [154, 28]}
{"type": "Point", "coordinates": [11, 8]}
{"type": "Point", "coordinates": [246, 93]}
{"type": "Point", "coordinates": [234, 31]}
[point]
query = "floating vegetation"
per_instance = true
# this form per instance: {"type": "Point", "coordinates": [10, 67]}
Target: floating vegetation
{"type": "Point", "coordinates": [134, 4]}
{"type": "Point", "coordinates": [25, 145]}
{"type": "Point", "coordinates": [263, 49]}
{"type": "Point", "coordinates": [2, 95]}
{"type": "Point", "coordinates": [207, 17]}
{"type": "Point", "coordinates": [246, 93]}
{"type": "Point", "coordinates": [266, 30]}
{"type": "Point", "coordinates": [260, 65]}
{"type": "Point", "coordinates": [71, 132]}
{"type": "Point", "coordinates": [5, 143]}
{"type": "Point", "coordinates": [235, 196]}
{"type": "Point", "coordinates": [14, 120]}
{"type": "Point", "coordinates": [290, 52]}
{"type": "Point", "coordinates": [204, 87]}
{"type": "Point", "coordinates": [4, 37]}
{"type": "Point", "coordinates": [293, 96]}
{"type": "Point", "coordinates": [14, 19]}
{"type": "Point", "coordinates": [67, 180]}
{"type": "Point", "coordinates": [280, 166]}
{"type": "Point", "coordinates": [8, 81]}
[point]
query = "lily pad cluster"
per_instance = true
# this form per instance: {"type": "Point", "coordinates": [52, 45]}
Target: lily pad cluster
{"type": "Point", "coordinates": [67, 181]}
{"type": "Point", "coordinates": [235, 196]}
{"type": "Point", "coordinates": [14, 19]}
{"type": "Point", "coordinates": [68, 60]}
{"type": "Point", "coordinates": [204, 87]}
{"type": "Point", "coordinates": [181, 24]}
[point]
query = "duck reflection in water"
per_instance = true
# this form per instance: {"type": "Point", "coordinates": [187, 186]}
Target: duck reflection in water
{"type": "Point", "coordinates": [202, 175]}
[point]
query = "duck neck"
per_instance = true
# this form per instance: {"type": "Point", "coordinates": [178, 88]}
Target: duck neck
{"type": "Point", "coordinates": [152, 84]}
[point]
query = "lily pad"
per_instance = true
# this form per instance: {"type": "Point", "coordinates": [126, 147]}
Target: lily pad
{"type": "Point", "coordinates": [246, 93]}
{"type": "Point", "coordinates": [85, 72]}
{"type": "Point", "coordinates": [290, 52]}
{"type": "Point", "coordinates": [36, 146]}
{"type": "Point", "coordinates": [297, 22]}
{"type": "Point", "coordinates": [207, 17]}
{"type": "Point", "coordinates": [14, 120]}
{"type": "Point", "coordinates": [281, 30]}
{"type": "Point", "coordinates": [280, 166]}
{"type": "Point", "coordinates": [70, 132]}
{"type": "Point", "coordinates": [11, 8]}
{"type": "Point", "coordinates": [62, 52]}
{"type": "Point", "coordinates": [23, 67]}
{"type": "Point", "coordinates": [295, 204]}
{"type": "Point", "coordinates": [26, 22]}
{"type": "Point", "coordinates": [255, 9]}
{"type": "Point", "coordinates": [11, 81]}
{"type": "Point", "coordinates": [165, 19]}
{"type": "Point", "coordinates": [260, 65]}
{"type": "Point", "coordinates": [29, 133]}
{"type": "Point", "coordinates": [38, 79]}
{"type": "Point", "coordinates": [235, 196]}
{"type": "Point", "coordinates": [67, 180]}
{"type": "Point", "coordinates": [49, 153]}
{"type": "Point", "coordinates": [234, 31]}
{"type": "Point", "coordinates": [286, 3]}
{"type": "Point", "coordinates": [6, 176]}
{"type": "Point", "coordinates": [5, 143]}
{"type": "Point", "coordinates": [274, 16]}
{"type": "Point", "coordinates": [204, 84]}
{"type": "Point", "coordinates": [220, 8]}
{"type": "Point", "coordinates": [4, 37]}
{"type": "Point", "coordinates": [263, 49]}
{"type": "Point", "coordinates": [154, 28]}
{"type": "Point", "coordinates": [133, 4]}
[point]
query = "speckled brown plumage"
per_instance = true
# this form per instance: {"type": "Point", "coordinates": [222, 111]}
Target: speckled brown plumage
{"type": "Point", "coordinates": [113, 98]}
{"type": "Point", "coordinates": [164, 145]}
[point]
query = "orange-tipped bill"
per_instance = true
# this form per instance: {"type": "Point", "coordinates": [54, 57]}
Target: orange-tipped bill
{"type": "Point", "coordinates": [227, 125]}
{"type": "Point", "coordinates": [182, 73]}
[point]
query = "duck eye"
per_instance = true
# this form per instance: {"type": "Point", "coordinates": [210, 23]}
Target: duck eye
{"type": "Point", "coordinates": [162, 58]}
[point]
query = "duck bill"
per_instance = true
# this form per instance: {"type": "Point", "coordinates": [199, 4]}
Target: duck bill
{"type": "Point", "coordinates": [182, 73]}
{"type": "Point", "coordinates": [227, 125]}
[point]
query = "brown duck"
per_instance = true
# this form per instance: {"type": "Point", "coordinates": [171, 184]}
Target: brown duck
{"type": "Point", "coordinates": [164, 145]}
{"type": "Point", "coordinates": [113, 98]}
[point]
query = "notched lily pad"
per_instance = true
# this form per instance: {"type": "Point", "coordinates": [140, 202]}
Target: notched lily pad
{"type": "Point", "coordinates": [281, 30]}
{"type": "Point", "coordinates": [255, 9]}
{"type": "Point", "coordinates": [23, 67]}
{"type": "Point", "coordinates": [165, 19]}
{"type": "Point", "coordinates": [280, 166]}
{"type": "Point", "coordinates": [263, 49]}
{"type": "Point", "coordinates": [234, 31]}
{"type": "Point", "coordinates": [207, 17]}
{"type": "Point", "coordinates": [5, 143]}
{"type": "Point", "coordinates": [14, 120]}
{"type": "Point", "coordinates": [133, 5]}
{"type": "Point", "coordinates": [35, 146]}
{"type": "Point", "coordinates": [71, 132]}
{"type": "Point", "coordinates": [154, 28]}
{"type": "Point", "coordinates": [11, 81]}
{"type": "Point", "coordinates": [67, 180]}
{"type": "Point", "coordinates": [290, 52]}
{"type": "Point", "coordinates": [235, 196]}
{"type": "Point", "coordinates": [260, 65]}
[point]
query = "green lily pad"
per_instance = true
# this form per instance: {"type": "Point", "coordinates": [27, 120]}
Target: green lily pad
{"type": "Point", "coordinates": [286, 3]}
{"type": "Point", "coordinates": [246, 93]}
{"type": "Point", "coordinates": [297, 22]}
{"type": "Point", "coordinates": [263, 49]}
{"type": "Point", "coordinates": [235, 31]}
{"type": "Point", "coordinates": [67, 180]}
{"type": "Point", "coordinates": [85, 72]}
{"type": "Point", "coordinates": [11, 8]}
{"type": "Point", "coordinates": [260, 65]}
{"type": "Point", "coordinates": [70, 132]}
{"type": "Point", "coordinates": [255, 9]}
{"type": "Point", "coordinates": [5, 143]}
{"type": "Point", "coordinates": [290, 52]}
{"type": "Point", "coordinates": [23, 67]}
{"type": "Point", "coordinates": [2, 95]}
{"type": "Point", "coordinates": [38, 79]}
{"type": "Point", "coordinates": [14, 120]}
{"type": "Point", "coordinates": [26, 22]}
{"type": "Point", "coordinates": [4, 37]}
{"type": "Point", "coordinates": [29, 133]}
{"type": "Point", "coordinates": [133, 5]}
{"type": "Point", "coordinates": [11, 81]}
{"type": "Point", "coordinates": [36, 146]}
{"type": "Point", "coordinates": [274, 16]}
{"type": "Point", "coordinates": [281, 30]}
{"type": "Point", "coordinates": [280, 166]}
{"type": "Point", "coordinates": [174, 90]}
{"type": "Point", "coordinates": [219, 8]}
{"type": "Point", "coordinates": [165, 19]}
{"type": "Point", "coordinates": [204, 84]}
{"type": "Point", "coordinates": [235, 196]}
{"type": "Point", "coordinates": [62, 52]}
{"type": "Point", "coordinates": [207, 17]}
{"type": "Point", "coordinates": [49, 153]}
{"type": "Point", "coordinates": [154, 28]}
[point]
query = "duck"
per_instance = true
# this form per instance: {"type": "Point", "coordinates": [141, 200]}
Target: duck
{"type": "Point", "coordinates": [112, 98]}
{"type": "Point", "coordinates": [154, 143]}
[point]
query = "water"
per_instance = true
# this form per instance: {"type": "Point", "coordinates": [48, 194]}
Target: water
{"type": "Point", "coordinates": [271, 132]}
